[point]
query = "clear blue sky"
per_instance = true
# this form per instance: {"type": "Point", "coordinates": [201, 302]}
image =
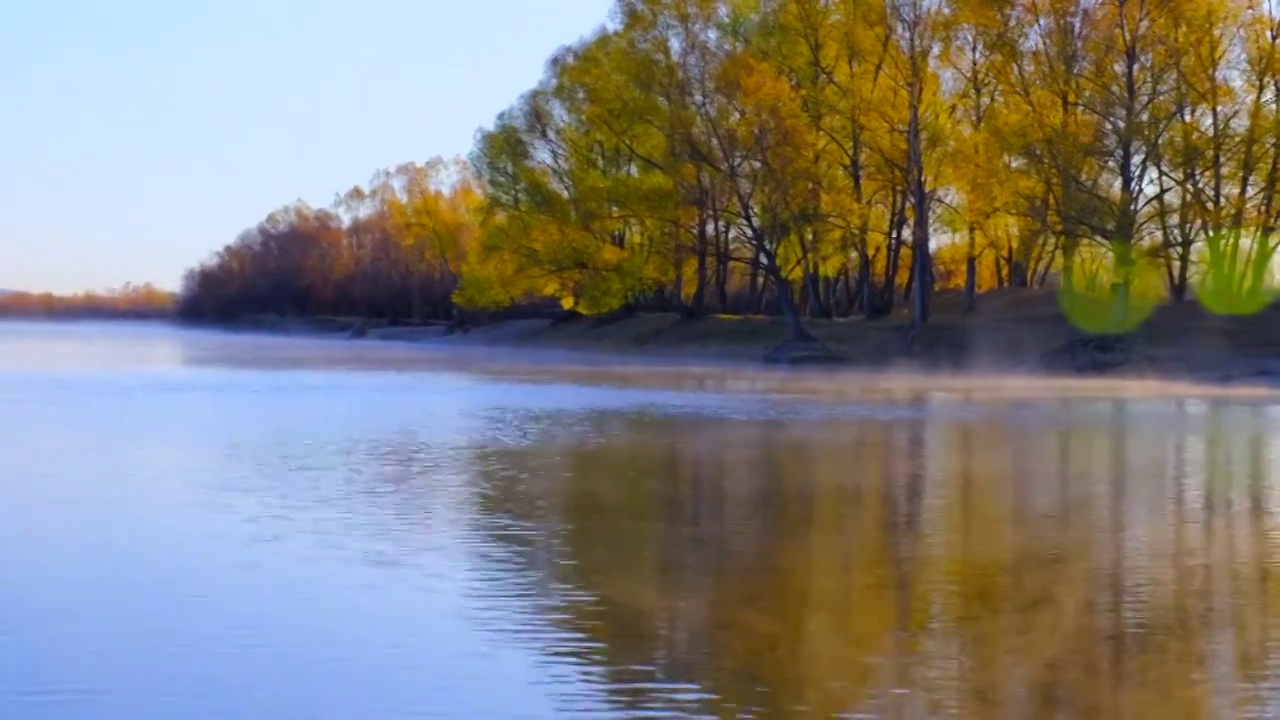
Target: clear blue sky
{"type": "Point", "coordinates": [138, 136]}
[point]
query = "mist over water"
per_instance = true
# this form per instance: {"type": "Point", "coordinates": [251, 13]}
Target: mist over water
{"type": "Point", "coordinates": [211, 525]}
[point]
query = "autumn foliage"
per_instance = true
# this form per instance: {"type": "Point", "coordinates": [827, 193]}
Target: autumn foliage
{"type": "Point", "coordinates": [821, 158]}
{"type": "Point", "coordinates": [128, 302]}
{"type": "Point", "coordinates": [390, 250]}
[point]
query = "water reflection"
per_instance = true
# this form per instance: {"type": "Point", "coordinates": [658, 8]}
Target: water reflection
{"type": "Point", "coordinates": [204, 525]}
{"type": "Point", "coordinates": [976, 567]}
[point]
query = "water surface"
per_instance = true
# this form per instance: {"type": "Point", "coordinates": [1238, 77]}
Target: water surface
{"type": "Point", "coordinates": [205, 525]}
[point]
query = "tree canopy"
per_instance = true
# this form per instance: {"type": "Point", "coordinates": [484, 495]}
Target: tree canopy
{"type": "Point", "coordinates": [820, 158]}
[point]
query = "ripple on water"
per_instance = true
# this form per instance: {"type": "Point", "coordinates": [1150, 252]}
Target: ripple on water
{"type": "Point", "coordinates": [210, 529]}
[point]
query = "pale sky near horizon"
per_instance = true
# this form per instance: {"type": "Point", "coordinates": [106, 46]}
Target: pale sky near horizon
{"type": "Point", "coordinates": [139, 136]}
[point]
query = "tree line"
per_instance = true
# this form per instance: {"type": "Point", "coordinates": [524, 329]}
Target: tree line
{"type": "Point", "coordinates": [824, 158]}
{"type": "Point", "coordinates": [129, 301]}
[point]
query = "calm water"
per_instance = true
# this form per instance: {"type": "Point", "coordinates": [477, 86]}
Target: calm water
{"type": "Point", "coordinates": [198, 525]}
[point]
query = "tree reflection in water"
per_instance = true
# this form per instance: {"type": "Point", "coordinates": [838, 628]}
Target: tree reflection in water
{"type": "Point", "coordinates": [1055, 559]}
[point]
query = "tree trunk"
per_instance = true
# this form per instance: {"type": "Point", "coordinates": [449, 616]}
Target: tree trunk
{"type": "Point", "coordinates": [864, 284]}
{"type": "Point", "coordinates": [699, 302]}
{"type": "Point", "coordinates": [921, 259]}
{"type": "Point", "coordinates": [802, 301]}
{"type": "Point", "coordinates": [1047, 265]}
{"type": "Point", "coordinates": [971, 273]}
{"type": "Point", "coordinates": [796, 330]}
{"type": "Point", "coordinates": [850, 296]}
{"type": "Point", "coordinates": [1018, 273]}
{"type": "Point", "coordinates": [895, 254]}
{"type": "Point", "coordinates": [761, 297]}
{"type": "Point", "coordinates": [920, 299]}
{"type": "Point", "coordinates": [817, 308]}
{"type": "Point", "coordinates": [722, 268]}
{"type": "Point", "coordinates": [676, 296]}
{"type": "Point", "coordinates": [911, 278]}
{"type": "Point", "coordinates": [1184, 264]}
{"type": "Point", "coordinates": [1066, 284]}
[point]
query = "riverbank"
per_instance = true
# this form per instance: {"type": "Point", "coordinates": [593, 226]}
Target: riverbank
{"type": "Point", "coordinates": [1012, 331]}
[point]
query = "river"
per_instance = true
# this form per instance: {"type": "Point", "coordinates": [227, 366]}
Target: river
{"type": "Point", "coordinates": [207, 525]}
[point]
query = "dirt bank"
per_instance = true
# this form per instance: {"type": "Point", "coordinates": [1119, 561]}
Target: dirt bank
{"type": "Point", "coordinates": [1012, 330]}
